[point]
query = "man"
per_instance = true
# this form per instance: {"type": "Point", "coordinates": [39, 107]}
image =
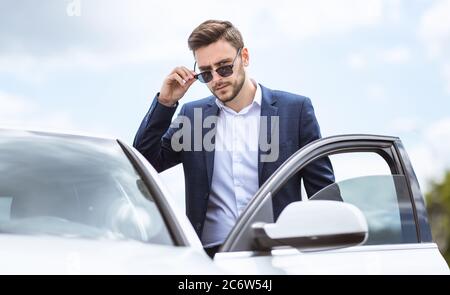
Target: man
{"type": "Point", "coordinates": [220, 182]}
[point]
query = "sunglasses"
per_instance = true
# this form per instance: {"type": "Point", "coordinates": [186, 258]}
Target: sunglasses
{"type": "Point", "coordinates": [224, 71]}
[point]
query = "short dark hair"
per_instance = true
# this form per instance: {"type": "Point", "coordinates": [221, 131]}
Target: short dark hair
{"type": "Point", "coordinates": [211, 31]}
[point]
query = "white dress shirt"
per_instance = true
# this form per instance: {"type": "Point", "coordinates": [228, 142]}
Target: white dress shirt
{"type": "Point", "coordinates": [235, 175]}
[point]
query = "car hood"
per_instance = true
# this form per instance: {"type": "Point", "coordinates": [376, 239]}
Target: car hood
{"type": "Point", "coordinates": [53, 255]}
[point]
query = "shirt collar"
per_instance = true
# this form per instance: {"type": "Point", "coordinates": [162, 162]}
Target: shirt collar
{"type": "Point", "coordinates": [256, 99]}
{"type": "Point", "coordinates": [258, 94]}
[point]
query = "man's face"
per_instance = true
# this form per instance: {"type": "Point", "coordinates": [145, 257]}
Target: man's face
{"type": "Point", "coordinates": [215, 55]}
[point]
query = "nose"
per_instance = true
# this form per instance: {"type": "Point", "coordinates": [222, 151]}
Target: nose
{"type": "Point", "coordinates": [216, 76]}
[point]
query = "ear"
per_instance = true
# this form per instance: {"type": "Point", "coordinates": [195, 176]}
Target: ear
{"type": "Point", "coordinates": [245, 56]}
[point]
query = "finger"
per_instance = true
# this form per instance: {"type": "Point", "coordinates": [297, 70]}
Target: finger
{"type": "Point", "coordinates": [190, 82]}
{"type": "Point", "coordinates": [184, 73]}
{"type": "Point", "coordinates": [178, 79]}
{"type": "Point", "coordinates": [189, 73]}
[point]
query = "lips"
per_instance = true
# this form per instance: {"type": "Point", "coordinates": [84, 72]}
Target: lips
{"type": "Point", "coordinates": [221, 87]}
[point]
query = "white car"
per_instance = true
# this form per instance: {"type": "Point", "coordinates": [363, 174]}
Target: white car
{"type": "Point", "coordinates": [83, 205]}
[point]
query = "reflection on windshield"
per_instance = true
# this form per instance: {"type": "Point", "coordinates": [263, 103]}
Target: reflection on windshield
{"type": "Point", "coordinates": [73, 187]}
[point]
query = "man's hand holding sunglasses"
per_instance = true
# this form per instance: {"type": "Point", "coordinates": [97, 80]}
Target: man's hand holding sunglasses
{"type": "Point", "coordinates": [181, 78]}
{"type": "Point", "coordinates": [176, 85]}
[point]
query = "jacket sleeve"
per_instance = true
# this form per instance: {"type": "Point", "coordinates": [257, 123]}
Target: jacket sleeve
{"type": "Point", "coordinates": [153, 138]}
{"type": "Point", "coordinates": [319, 173]}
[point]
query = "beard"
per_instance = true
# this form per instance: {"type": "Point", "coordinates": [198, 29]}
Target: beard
{"type": "Point", "coordinates": [235, 89]}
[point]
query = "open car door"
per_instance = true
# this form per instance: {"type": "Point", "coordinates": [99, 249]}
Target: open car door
{"type": "Point", "coordinates": [365, 224]}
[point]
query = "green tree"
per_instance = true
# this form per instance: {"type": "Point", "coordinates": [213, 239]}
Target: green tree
{"type": "Point", "coordinates": [438, 206]}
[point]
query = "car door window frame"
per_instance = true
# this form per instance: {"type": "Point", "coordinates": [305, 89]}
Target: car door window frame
{"type": "Point", "coordinates": [174, 228]}
{"type": "Point", "coordinates": [390, 148]}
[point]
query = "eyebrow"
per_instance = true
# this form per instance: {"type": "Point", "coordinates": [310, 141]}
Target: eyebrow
{"type": "Point", "coordinates": [225, 60]}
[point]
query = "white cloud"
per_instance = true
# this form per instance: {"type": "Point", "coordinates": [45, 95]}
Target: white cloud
{"type": "Point", "coordinates": [405, 125]}
{"type": "Point", "coordinates": [388, 56]}
{"type": "Point", "coordinates": [422, 161]}
{"type": "Point", "coordinates": [376, 93]}
{"type": "Point", "coordinates": [297, 18]}
{"type": "Point", "coordinates": [430, 156]}
{"type": "Point", "coordinates": [434, 31]}
{"type": "Point", "coordinates": [357, 61]}
{"type": "Point", "coordinates": [113, 33]}
{"type": "Point", "coordinates": [304, 18]}
{"type": "Point", "coordinates": [18, 112]}
{"type": "Point", "coordinates": [393, 10]}
{"type": "Point", "coordinates": [12, 104]}
{"type": "Point", "coordinates": [446, 76]}
{"type": "Point", "coordinates": [439, 134]}
{"type": "Point", "coordinates": [396, 55]}
{"type": "Point", "coordinates": [35, 68]}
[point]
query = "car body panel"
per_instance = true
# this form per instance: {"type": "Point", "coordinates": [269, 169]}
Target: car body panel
{"type": "Point", "coordinates": [405, 259]}
{"type": "Point", "coordinates": [30, 255]}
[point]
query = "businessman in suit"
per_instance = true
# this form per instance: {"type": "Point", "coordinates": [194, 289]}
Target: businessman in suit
{"type": "Point", "coordinates": [236, 139]}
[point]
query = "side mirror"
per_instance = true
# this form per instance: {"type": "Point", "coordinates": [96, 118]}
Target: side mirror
{"type": "Point", "coordinates": [313, 226]}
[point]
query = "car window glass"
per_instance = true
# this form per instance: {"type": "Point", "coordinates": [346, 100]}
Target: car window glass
{"type": "Point", "coordinates": [74, 187]}
{"type": "Point", "coordinates": [384, 201]}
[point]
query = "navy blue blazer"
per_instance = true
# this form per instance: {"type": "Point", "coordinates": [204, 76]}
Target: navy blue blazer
{"type": "Point", "coordinates": [298, 126]}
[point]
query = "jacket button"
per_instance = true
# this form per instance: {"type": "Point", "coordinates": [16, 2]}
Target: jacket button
{"type": "Point", "coordinates": [206, 196]}
{"type": "Point", "coordinates": [198, 225]}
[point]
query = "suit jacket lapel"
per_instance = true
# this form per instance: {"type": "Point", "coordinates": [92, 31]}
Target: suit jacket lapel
{"type": "Point", "coordinates": [268, 109]}
{"type": "Point", "coordinates": [211, 110]}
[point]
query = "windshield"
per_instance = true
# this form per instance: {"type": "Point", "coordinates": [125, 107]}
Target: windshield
{"type": "Point", "coordinates": [74, 187]}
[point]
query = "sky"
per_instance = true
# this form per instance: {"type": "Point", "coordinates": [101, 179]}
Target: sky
{"type": "Point", "coordinates": [94, 66]}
